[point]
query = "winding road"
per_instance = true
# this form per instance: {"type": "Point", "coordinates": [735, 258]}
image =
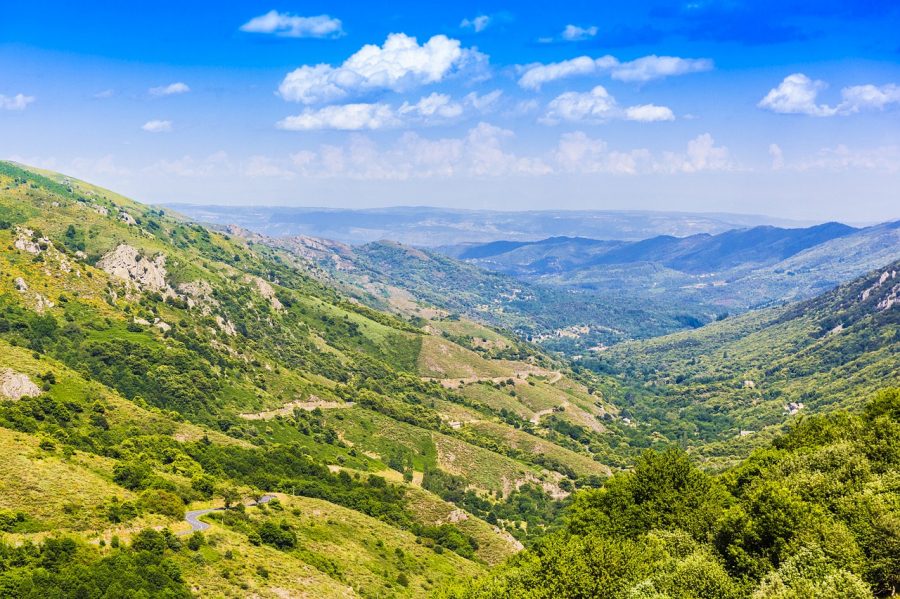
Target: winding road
{"type": "Point", "coordinates": [192, 517]}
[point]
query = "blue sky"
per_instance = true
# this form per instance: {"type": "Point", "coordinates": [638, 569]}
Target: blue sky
{"type": "Point", "coordinates": [783, 108]}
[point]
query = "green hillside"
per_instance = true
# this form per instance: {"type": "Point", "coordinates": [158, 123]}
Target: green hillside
{"type": "Point", "coordinates": [150, 366]}
{"type": "Point", "coordinates": [732, 385]}
{"type": "Point", "coordinates": [814, 514]}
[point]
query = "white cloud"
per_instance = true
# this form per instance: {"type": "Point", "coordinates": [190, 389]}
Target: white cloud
{"type": "Point", "coordinates": [348, 117]}
{"type": "Point", "coordinates": [594, 106]}
{"type": "Point", "coordinates": [597, 106]}
{"type": "Point", "coordinates": [107, 93]}
{"type": "Point", "coordinates": [433, 109]}
{"type": "Point", "coordinates": [157, 126]}
{"type": "Point", "coordinates": [577, 153]}
{"type": "Point", "coordinates": [479, 23]}
{"type": "Point", "coordinates": [860, 97]}
{"type": "Point", "coordinates": [400, 64]}
{"type": "Point", "coordinates": [702, 155]}
{"type": "Point", "coordinates": [573, 33]}
{"type": "Point", "coordinates": [287, 25]}
{"type": "Point", "coordinates": [649, 113]}
{"type": "Point", "coordinates": [168, 90]}
{"type": "Point", "coordinates": [17, 102]}
{"type": "Point", "coordinates": [536, 75]}
{"type": "Point", "coordinates": [524, 107]}
{"type": "Point", "coordinates": [484, 103]}
{"type": "Point", "coordinates": [479, 153]}
{"type": "Point", "coordinates": [436, 105]}
{"type": "Point", "coordinates": [777, 157]}
{"type": "Point", "coordinates": [797, 94]}
{"type": "Point", "coordinates": [641, 70]}
{"type": "Point", "coordinates": [656, 67]}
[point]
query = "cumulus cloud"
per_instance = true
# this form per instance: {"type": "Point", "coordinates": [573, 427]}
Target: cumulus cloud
{"type": "Point", "coordinates": [434, 106]}
{"type": "Point", "coordinates": [649, 113]}
{"type": "Point", "coordinates": [347, 117]}
{"type": "Point", "coordinates": [483, 103]}
{"type": "Point", "coordinates": [17, 102]}
{"type": "Point", "coordinates": [157, 126]}
{"type": "Point", "coordinates": [573, 33]}
{"type": "Point", "coordinates": [400, 64]}
{"type": "Point", "coordinates": [702, 155]}
{"type": "Point", "coordinates": [287, 25]}
{"type": "Point", "coordinates": [535, 75]}
{"type": "Point", "coordinates": [797, 94]}
{"type": "Point", "coordinates": [433, 109]}
{"type": "Point", "coordinates": [578, 153]}
{"type": "Point", "coordinates": [478, 24]}
{"type": "Point", "coordinates": [480, 153]}
{"type": "Point", "coordinates": [593, 106]}
{"type": "Point", "coordinates": [169, 90]}
{"type": "Point", "coordinates": [862, 97]}
{"type": "Point", "coordinates": [597, 106]}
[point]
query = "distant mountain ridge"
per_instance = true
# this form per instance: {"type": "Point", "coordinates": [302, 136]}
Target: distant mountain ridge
{"type": "Point", "coordinates": [430, 227]}
{"type": "Point", "coordinates": [696, 254]}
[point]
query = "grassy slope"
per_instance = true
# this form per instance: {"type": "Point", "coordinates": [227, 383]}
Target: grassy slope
{"type": "Point", "coordinates": [318, 347]}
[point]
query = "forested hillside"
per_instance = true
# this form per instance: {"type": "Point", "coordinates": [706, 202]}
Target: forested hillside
{"type": "Point", "coordinates": [149, 366]}
{"type": "Point", "coordinates": [814, 514]}
{"type": "Point", "coordinates": [731, 385]}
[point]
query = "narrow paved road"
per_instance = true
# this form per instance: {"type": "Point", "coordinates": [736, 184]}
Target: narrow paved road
{"type": "Point", "coordinates": [193, 517]}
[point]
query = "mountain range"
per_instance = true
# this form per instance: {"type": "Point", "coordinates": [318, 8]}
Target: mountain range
{"type": "Point", "coordinates": [159, 377]}
{"type": "Point", "coordinates": [428, 227]}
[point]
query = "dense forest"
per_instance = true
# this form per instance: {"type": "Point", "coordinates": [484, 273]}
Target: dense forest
{"type": "Point", "coordinates": [815, 514]}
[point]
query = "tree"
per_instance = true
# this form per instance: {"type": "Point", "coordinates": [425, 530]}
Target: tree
{"type": "Point", "coordinates": [230, 496]}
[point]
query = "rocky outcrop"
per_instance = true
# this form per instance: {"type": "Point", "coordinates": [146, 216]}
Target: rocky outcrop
{"type": "Point", "coordinates": [199, 293]}
{"type": "Point", "coordinates": [267, 292]}
{"type": "Point", "coordinates": [125, 262]}
{"type": "Point", "coordinates": [26, 242]}
{"type": "Point", "coordinates": [15, 386]}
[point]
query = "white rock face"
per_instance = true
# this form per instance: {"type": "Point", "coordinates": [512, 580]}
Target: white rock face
{"type": "Point", "coordinates": [15, 386]}
{"type": "Point", "coordinates": [127, 218]}
{"type": "Point", "coordinates": [20, 283]}
{"type": "Point", "coordinates": [267, 292]}
{"type": "Point", "coordinates": [24, 243]}
{"type": "Point", "coordinates": [126, 263]}
{"type": "Point", "coordinates": [226, 325]}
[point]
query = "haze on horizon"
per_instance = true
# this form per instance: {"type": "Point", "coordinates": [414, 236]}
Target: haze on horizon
{"type": "Point", "coordinates": [783, 109]}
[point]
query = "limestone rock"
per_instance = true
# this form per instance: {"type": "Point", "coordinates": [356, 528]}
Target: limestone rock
{"type": "Point", "coordinates": [126, 263]}
{"type": "Point", "coordinates": [15, 386]}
